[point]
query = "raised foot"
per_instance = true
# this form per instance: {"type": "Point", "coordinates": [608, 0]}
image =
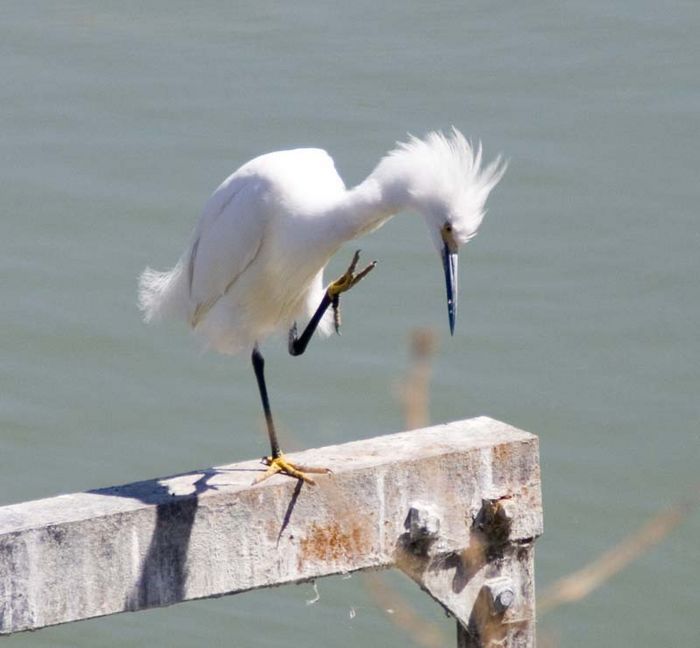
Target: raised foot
{"type": "Point", "coordinates": [349, 278]}
{"type": "Point", "coordinates": [344, 283]}
{"type": "Point", "coordinates": [281, 465]}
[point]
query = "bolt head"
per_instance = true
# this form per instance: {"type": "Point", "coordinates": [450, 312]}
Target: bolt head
{"type": "Point", "coordinates": [422, 524]}
{"type": "Point", "coordinates": [501, 594]}
{"type": "Point", "coordinates": [504, 600]}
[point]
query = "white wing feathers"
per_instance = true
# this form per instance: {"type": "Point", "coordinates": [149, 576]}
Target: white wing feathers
{"type": "Point", "coordinates": [225, 242]}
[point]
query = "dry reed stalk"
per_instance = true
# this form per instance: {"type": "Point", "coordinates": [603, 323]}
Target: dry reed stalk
{"type": "Point", "coordinates": [414, 395]}
{"type": "Point", "coordinates": [402, 615]}
{"type": "Point", "coordinates": [414, 390]}
{"type": "Point", "coordinates": [581, 583]}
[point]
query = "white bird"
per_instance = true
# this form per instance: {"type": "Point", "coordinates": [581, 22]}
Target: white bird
{"type": "Point", "coordinates": [255, 262]}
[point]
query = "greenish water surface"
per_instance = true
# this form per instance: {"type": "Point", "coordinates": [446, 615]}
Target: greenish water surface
{"type": "Point", "coordinates": [579, 300]}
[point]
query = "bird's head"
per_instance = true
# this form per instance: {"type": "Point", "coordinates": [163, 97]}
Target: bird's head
{"type": "Point", "coordinates": [441, 177]}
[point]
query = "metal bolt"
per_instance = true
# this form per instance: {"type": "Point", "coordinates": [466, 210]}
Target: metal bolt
{"type": "Point", "coordinates": [495, 519]}
{"type": "Point", "coordinates": [501, 593]}
{"type": "Point", "coordinates": [422, 527]}
{"type": "Point", "coordinates": [507, 509]}
{"type": "Point", "coordinates": [422, 524]}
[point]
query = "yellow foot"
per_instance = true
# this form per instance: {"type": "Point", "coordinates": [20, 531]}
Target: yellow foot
{"type": "Point", "coordinates": [344, 283]}
{"type": "Point", "coordinates": [281, 465]}
{"type": "Point", "coordinates": [349, 278]}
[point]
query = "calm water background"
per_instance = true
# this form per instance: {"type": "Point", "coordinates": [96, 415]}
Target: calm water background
{"type": "Point", "coordinates": [579, 300]}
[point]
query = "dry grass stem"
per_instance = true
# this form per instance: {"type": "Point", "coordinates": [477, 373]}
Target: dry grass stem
{"type": "Point", "coordinates": [414, 391]}
{"type": "Point", "coordinates": [581, 583]}
{"type": "Point", "coordinates": [423, 632]}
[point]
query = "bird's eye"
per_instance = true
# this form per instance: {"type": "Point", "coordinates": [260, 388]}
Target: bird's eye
{"type": "Point", "coordinates": [447, 227]}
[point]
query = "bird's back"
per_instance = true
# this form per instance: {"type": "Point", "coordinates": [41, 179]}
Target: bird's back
{"type": "Point", "coordinates": [301, 179]}
{"type": "Point", "coordinates": [241, 248]}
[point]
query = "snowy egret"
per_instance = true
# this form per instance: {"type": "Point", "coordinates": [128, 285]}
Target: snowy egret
{"type": "Point", "coordinates": [254, 265]}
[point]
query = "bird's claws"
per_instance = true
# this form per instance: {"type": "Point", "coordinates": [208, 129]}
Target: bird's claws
{"type": "Point", "coordinates": [353, 263]}
{"type": "Point", "coordinates": [280, 464]}
{"type": "Point", "coordinates": [344, 283]}
{"type": "Point", "coordinates": [363, 273]}
{"type": "Point", "coordinates": [349, 278]}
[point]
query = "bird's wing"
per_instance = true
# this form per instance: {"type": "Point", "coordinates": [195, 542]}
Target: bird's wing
{"type": "Point", "coordinates": [226, 241]}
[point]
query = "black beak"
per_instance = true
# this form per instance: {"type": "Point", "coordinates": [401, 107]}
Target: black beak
{"type": "Point", "coordinates": [449, 262]}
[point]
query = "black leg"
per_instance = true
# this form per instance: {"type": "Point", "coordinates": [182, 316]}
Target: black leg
{"type": "Point", "coordinates": [259, 367]}
{"type": "Point", "coordinates": [297, 345]}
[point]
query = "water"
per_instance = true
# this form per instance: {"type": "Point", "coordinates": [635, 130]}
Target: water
{"type": "Point", "coordinates": [580, 300]}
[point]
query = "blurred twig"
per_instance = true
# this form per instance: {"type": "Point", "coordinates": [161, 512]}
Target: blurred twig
{"type": "Point", "coordinates": [403, 615]}
{"type": "Point", "coordinates": [414, 391]}
{"type": "Point", "coordinates": [581, 583]}
{"type": "Point", "coordinates": [413, 394]}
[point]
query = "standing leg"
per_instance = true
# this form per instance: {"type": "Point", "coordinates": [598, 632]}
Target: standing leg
{"type": "Point", "coordinates": [276, 462]}
{"type": "Point", "coordinates": [259, 368]}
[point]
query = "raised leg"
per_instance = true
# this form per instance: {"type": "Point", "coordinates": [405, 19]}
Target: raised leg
{"type": "Point", "coordinates": [276, 462]}
{"type": "Point", "coordinates": [298, 344]}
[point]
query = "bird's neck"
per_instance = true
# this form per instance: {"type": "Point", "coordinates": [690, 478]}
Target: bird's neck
{"type": "Point", "coordinates": [366, 207]}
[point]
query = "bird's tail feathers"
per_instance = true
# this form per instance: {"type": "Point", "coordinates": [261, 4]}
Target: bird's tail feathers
{"type": "Point", "coordinates": [164, 295]}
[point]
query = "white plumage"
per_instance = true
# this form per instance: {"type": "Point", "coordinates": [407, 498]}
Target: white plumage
{"type": "Point", "coordinates": [255, 262]}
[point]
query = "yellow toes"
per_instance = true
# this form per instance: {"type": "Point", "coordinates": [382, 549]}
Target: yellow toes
{"type": "Point", "coordinates": [349, 278]}
{"type": "Point", "coordinates": [281, 465]}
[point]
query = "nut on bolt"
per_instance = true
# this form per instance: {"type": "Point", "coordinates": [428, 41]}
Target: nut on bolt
{"type": "Point", "coordinates": [495, 519]}
{"type": "Point", "coordinates": [501, 594]}
{"type": "Point", "coordinates": [422, 526]}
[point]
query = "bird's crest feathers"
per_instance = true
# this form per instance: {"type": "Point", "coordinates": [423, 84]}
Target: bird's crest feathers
{"type": "Point", "coordinates": [445, 176]}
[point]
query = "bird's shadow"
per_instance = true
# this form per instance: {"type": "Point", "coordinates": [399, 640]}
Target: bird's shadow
{"type": "Point", "coordinates": [290, 509]}
{"type": "Point", "coordinates": [163, 573]}
{"type": "Point", "coordinates": [164, 569]}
